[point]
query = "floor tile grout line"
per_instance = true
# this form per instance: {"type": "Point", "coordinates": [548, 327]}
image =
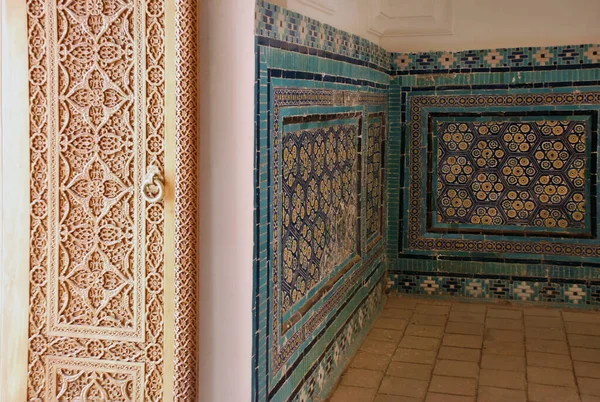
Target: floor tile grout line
{"type": "Point", "coordinates": [407, 320]}
{"type": "Point", "coordinates": [564, 325]}
{"type": "Point", "coordinates": [480, 362]}
{"type": "Point", "coordinates": [437, 355]}
{"type": "Point", "coordinates": [525, 355]}
{"type": "Point", "coordinates": [395, 350]}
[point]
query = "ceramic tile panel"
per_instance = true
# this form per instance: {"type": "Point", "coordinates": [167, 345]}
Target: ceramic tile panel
{"type": "Point", "coordinates": [321, 120]}
{"type": "Point", "coordinates": [492, 192]}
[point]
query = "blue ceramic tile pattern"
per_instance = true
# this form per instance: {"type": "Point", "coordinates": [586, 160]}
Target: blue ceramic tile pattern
{"type": "Point", "coordinates": [470, 174]}
{"type": "Point", "coordinates": [321, 113]}
{"type": "Point", "coordinates": [540, 58]}
{"type": "Point", "coordinates": [467, 222]}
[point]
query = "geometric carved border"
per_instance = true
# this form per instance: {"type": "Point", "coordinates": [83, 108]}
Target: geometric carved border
{"type": "Point", "coordinates": [97, 108]}
{"type": "Point", "coordinates": [106, 381]}
{"type": "Point", "coordinates": [186, 196]}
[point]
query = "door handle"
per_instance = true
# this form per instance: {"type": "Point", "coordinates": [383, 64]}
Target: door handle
{"type": "Point", "coordinates": [153, 185]}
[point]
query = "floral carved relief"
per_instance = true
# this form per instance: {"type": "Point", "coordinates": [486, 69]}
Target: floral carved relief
{"type": "Point", "coordinates": [97, 96]}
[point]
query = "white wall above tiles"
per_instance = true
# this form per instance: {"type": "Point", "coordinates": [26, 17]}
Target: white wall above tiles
{"type": "Point", "coordinates": [484, 24]}
{"type": "Point", "coordinates": [349, 15]}
{"type": "Point", "coordinates": [418, 25]}
{"type": "Point", "coordinates": [394, 18]}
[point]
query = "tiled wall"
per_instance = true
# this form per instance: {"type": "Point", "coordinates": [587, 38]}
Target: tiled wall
{"type": "Point", "coordinates": [321, 131]}
{"type": "Point", "coordinates": [492, 174]}
{"type": "Point", "coordinates": [468, 173]}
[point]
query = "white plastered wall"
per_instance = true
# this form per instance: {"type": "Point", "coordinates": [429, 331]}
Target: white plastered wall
{"type": "Point", "coordinates": [420, 25]}
{"type": "Point", "coordinates": [226, 153]}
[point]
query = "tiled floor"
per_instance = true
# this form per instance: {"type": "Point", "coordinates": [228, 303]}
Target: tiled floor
{"type": "Point", "coordinates": [436, 351]}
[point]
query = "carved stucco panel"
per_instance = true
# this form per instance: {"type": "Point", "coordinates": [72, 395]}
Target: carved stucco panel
{"type": "Point", "coordinates": [96, 268]}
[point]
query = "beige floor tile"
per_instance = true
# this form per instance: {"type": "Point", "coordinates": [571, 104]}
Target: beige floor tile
{"type": "Point", "coordinates": [436, 302]}
{"type": "Point", "coordinates": [385, 335]}
{"type": "Point", "coordinates": [499, 362]}
{"type": "Point", "coordinates": [415, 356]}
{"type": "Point", "coordinates": [504, 323]}
{"type": "Point", "coordinates": [352, 394]}
{"type": "Point", "coordinates": [472, 318]}
{"type": "Point", "coordinates": [502, 379]}
{"type": "Point", "coordinates": [589, 386]}
{"type": "Point", "coordinates": [410, 370]}
{"type": "Point", "coordinates": [504, 348]}
{"type": "Point", "coordinates": [504, 313]}
{"type": "Point", "coordinates": [395, 398]}
{"type": "Point", "coordinates": [549, 334]}
{"type": "Point", "coordinates": [415, 342]}
{"type": "Point", "coordinates": [550, 376]}
{"type": "Point", "coordinates": [453, 385]}
{"type": "Point", "coordinates": [424, 319]}
{"type": "Point", "coordinates": [584, 341]}
{"type": "Point", "coordinates": [469, 307]}
{"type": "Point", "coordinates": [461, 354]}
{"type": "Point", "coordinates": [454, 368]}
{"type": "Point", "coordinates": [540, 345]}
{"type": "Point", "coordinates": [390, 323]}
{"type": "Point", "coordinates": [403, 387]}
{"type": "Point", "coordinates": [582, 328]}
{"type": "Point", "coordinates": [433, 397]}
{"type": "Point", "coordinates": [426, 331]}
{"type": "Point", "coordinates": [364, 360]}
{"type": "Point", "coordinates": [464, 328]}
{"type": "Point", "coordinates": [549, 360]}
{"type": "Point", "coordinates": [590, 318]}
{"type": "Point", "coordinates": [503, 336]}
{"type": "Point", "coordinates": [402, 302]}
{"type": "Point", "coordinates": [549, 393]}
{"type": "Point", "coordinates": [463, 341]}
{"type": "Point", "coordinates": [541, 312]}
{"type": "Point", "coordinates": [432, 310]}
{"type": "Point", "coordinates": [362, 378]}
{"type": "Point", "coordinates": [378, 347]}
{"type": "Point", "coordinates": [396, 313]}
{"type": "Point", "coordinates": [490, 394]}
{"type": "Point", "coordinates": [587, 369]}
{"type": "Point", "coordinates": [543, 322]}
{"type": "Point", "coordinates": [585, 354]}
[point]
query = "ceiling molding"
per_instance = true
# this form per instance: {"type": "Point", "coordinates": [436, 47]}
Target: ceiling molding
{"type": "Point", "coordinates": [387, 19]}
{"type": "Point", "coordinates": [321, 5]}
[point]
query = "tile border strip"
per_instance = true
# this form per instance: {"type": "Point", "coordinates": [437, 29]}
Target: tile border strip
{"type": "Point", "coordinates": [577, 293]}
{"type": "Point", "coordinates": [497, 60]}
{"type": "Point", "coordinates": [285, 26]}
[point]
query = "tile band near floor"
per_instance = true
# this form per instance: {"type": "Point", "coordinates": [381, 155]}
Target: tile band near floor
{"type": "Point", "coordinates": [573, 292]}
{"type": "Point", "coordinates": [435, 350]}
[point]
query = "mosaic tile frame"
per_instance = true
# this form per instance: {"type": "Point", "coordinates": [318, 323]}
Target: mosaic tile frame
{"type": "Point", "coordinates": [320, 83]}
{"type": "Point", "coordinates": [438, 267]}
{"type": "Point", "coordinates": [317, 100]}
{"type": "Point", "coordinates": [419, 105]}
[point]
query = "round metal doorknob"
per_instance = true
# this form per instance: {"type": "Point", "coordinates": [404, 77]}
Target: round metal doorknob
{"type": "Point", "coordinates": [153, 185]}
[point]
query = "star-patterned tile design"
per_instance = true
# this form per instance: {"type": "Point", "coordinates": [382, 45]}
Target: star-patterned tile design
{"type": "Point", "coordinates": [526, 173]}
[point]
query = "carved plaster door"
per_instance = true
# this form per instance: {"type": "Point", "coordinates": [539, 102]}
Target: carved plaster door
{"type": "Point", "coordinates": [100, 288]}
